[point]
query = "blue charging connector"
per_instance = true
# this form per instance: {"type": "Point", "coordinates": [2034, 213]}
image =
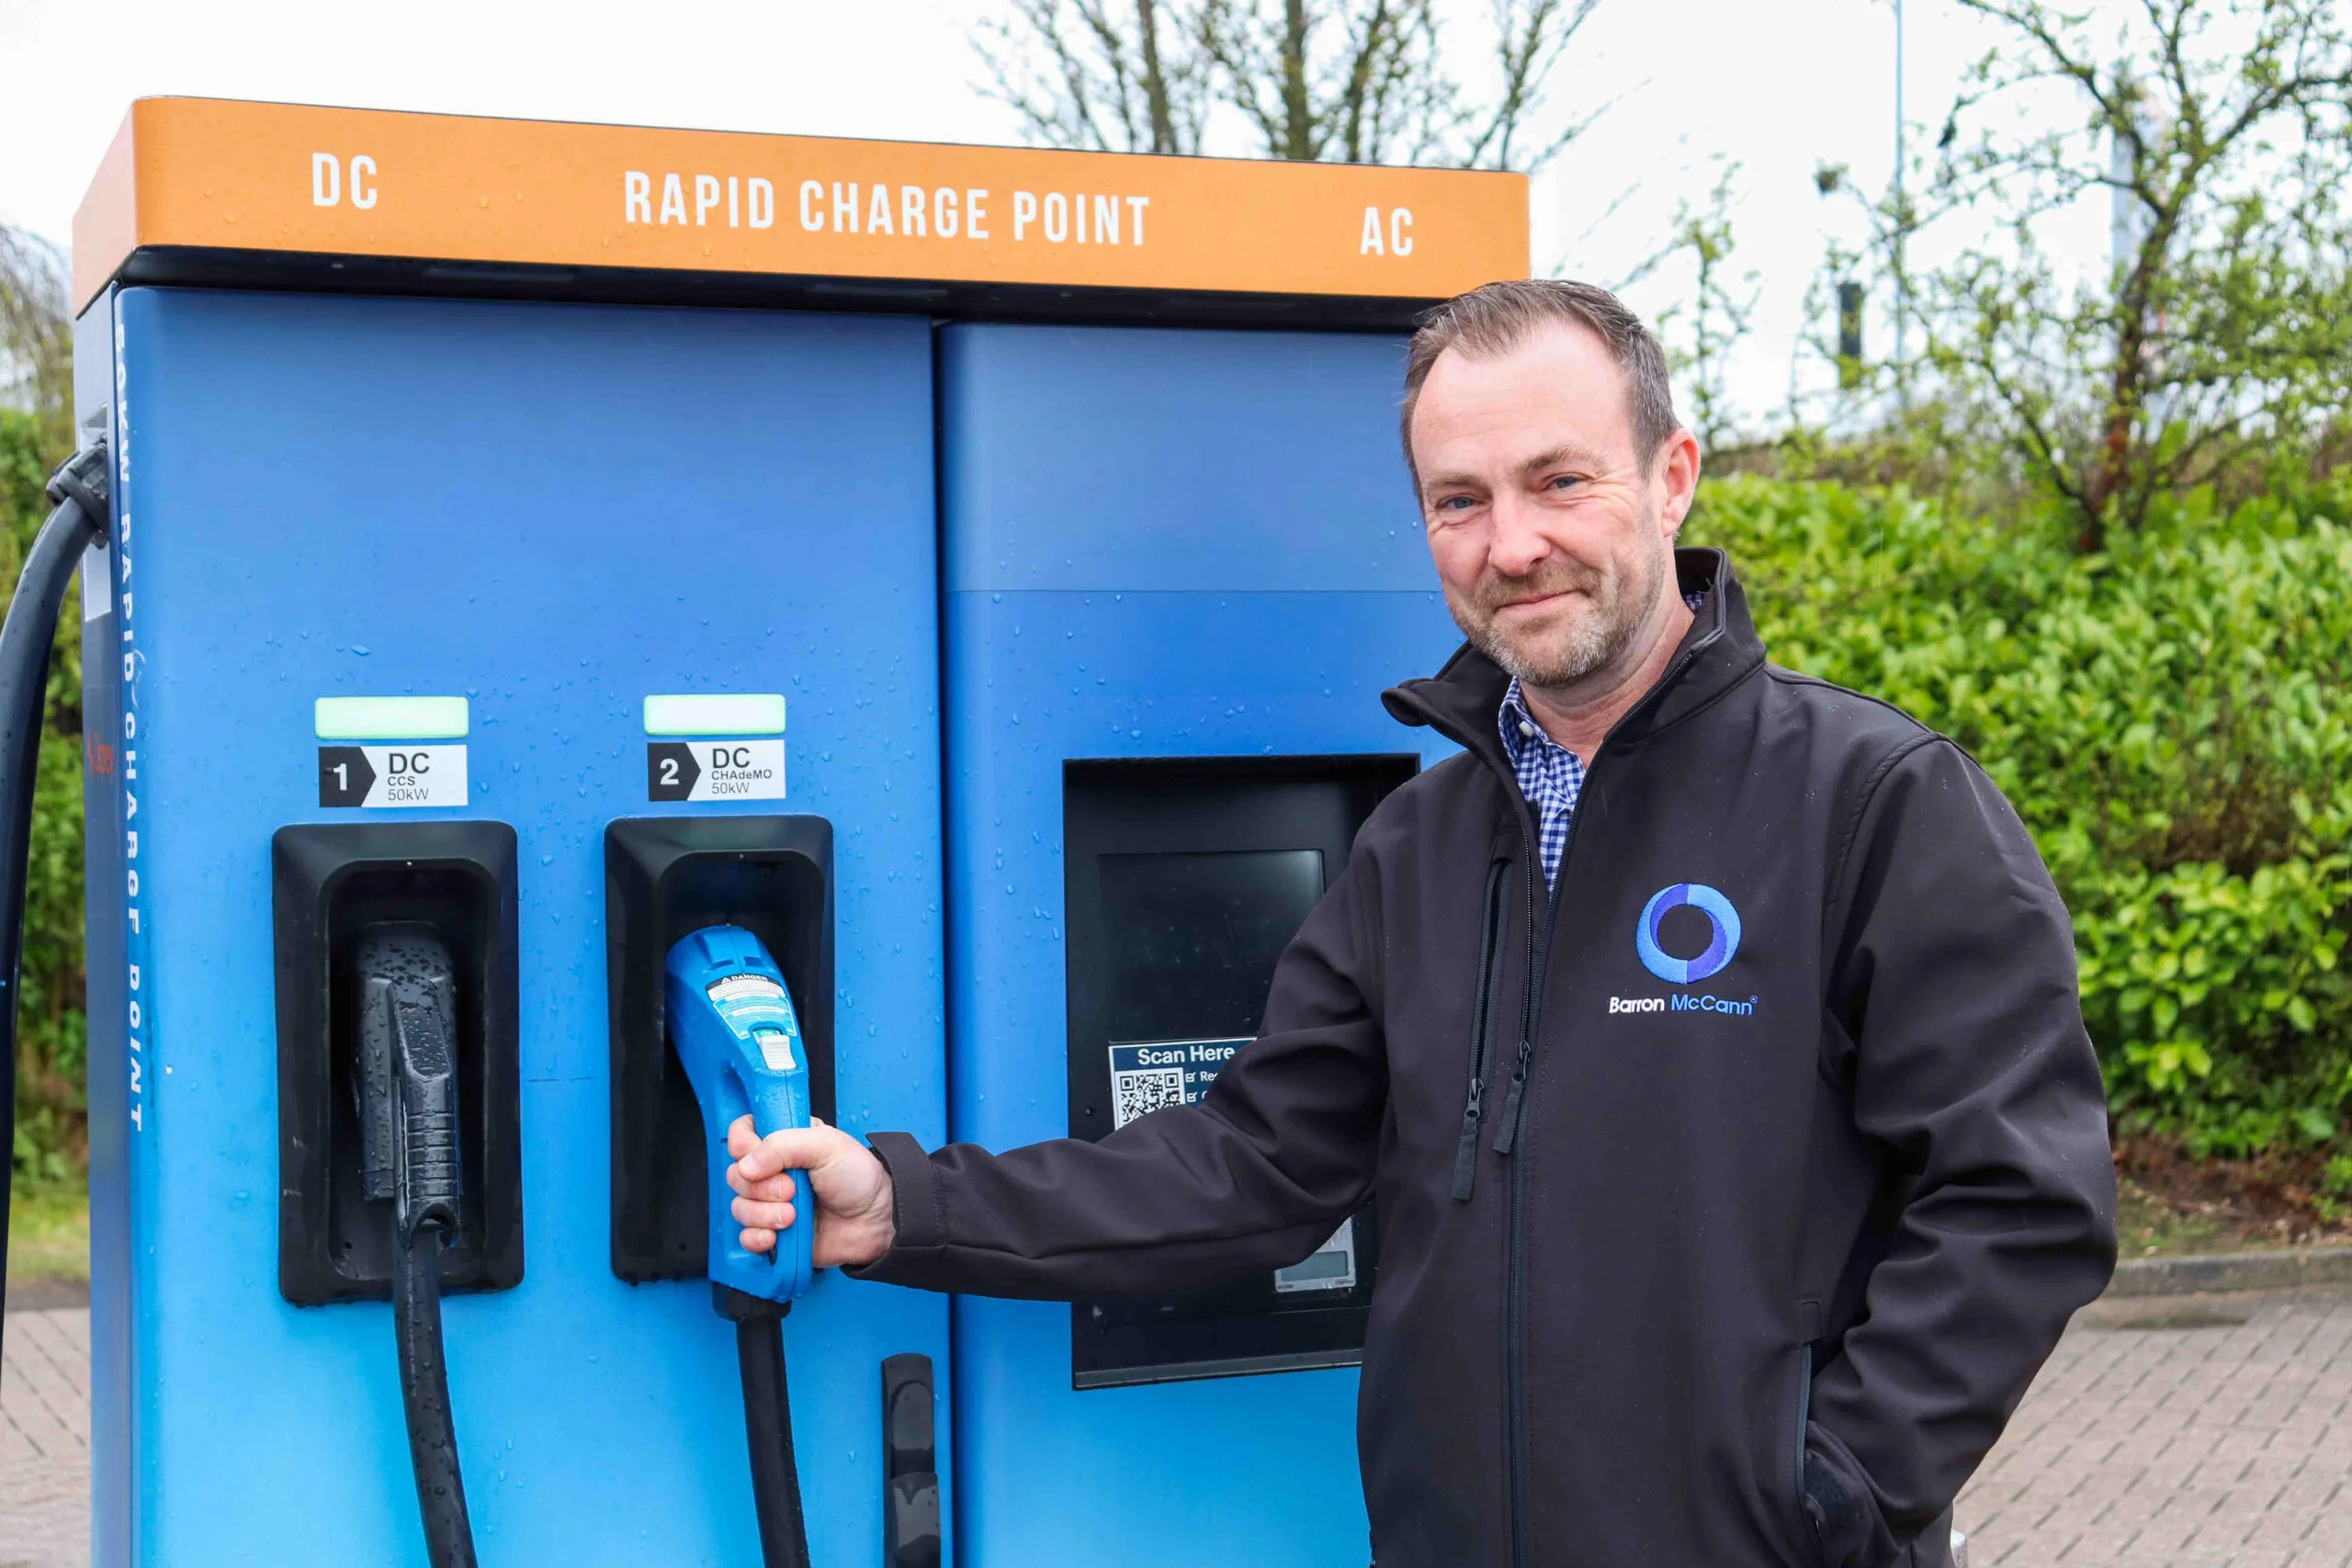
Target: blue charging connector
{"type": "Point", "coordinates": [732, 1023]}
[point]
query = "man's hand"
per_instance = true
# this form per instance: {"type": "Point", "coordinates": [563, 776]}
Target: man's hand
{"type": "Point", "coordinates": [854, 1222]}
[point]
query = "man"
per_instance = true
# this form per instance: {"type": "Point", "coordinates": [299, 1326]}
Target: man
{"type": "Point", "coordinates": [1707, 1033]}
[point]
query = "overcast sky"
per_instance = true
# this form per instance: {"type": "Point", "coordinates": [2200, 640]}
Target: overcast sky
{"type": "Point", "coordinates": [1777, 86]}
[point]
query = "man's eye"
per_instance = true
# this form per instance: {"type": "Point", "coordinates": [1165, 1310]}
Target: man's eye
{"type": "Point", "coordinates": [1456, 503]}
{"type": "Point", "coordinates": [1563, 482]}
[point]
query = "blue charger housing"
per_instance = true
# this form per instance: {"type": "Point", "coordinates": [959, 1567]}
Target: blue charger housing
{"type": "Point", "coordinates": [732, 1023]}
{"type": "Point", "coordinates": [410, 436]}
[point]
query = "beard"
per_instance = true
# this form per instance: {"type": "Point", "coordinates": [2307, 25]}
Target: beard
{"type": "Point", "coordinates": [1607, 606]}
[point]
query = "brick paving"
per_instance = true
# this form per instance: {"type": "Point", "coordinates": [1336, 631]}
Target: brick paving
{"type": "Point", "coordinates": [2179, 1432]}
{"type": "Point", "coordinates": [45, 1440]}
{"type": "Point", "coordinates": [2167, 1432]}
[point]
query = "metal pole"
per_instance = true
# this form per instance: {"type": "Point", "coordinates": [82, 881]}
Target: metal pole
{"type": "Point", "coordinates": [1902, 216]}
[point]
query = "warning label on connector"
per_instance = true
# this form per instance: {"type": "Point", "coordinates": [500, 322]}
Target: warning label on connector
{"type": "Point", "coordinates": [378, 776]}
{"type": "Point", "coordinates": [714, 770]}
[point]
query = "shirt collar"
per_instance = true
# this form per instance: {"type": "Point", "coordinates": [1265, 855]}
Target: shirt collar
{"type": "Point", "coordinates": [1519, 730]}
{"type": "Point", "coordinates": [1719, 651]}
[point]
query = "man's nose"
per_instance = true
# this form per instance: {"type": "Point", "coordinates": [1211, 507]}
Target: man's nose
{"type": "Point", "coordinates": [1518, 544]}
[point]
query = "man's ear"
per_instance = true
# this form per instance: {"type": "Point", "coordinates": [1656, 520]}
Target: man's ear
{"type": "Point", "coordinates": [1677, 468]}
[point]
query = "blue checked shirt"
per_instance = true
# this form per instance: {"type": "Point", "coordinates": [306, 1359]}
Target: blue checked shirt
{"type": "Point", "coordinates": [1549, 774]}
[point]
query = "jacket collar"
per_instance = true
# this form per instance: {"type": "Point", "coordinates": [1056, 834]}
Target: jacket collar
{"type": "Point", "coordinates": [1719, 651]}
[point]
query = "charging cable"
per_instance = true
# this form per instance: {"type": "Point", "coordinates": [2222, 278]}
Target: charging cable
{"type": "Point", "coordinates": [731, 1021]}
{"type": "Point", "coordinates": [78, 491]}
{"type": "Point", "coordinates": [408, 1134]}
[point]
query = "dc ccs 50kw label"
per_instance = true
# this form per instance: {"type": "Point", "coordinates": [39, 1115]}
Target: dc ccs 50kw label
{"type": "Point", "coordinates": [380, 776]}
{"type": "Point", "coordinates": [714, 770]}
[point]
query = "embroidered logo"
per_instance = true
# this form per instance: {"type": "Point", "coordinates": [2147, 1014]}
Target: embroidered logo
{"type": "Point", "coordinates": [1722, 939]}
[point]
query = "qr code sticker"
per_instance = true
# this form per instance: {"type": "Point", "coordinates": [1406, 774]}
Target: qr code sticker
{"type": "Point", "coordinates": [1135, 1094]}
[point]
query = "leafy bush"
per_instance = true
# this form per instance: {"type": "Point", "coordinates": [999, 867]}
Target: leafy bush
{"type": "Point", "coordinates": [51, 1124]}
{"type": "Point", "coordinates": [2171, 719]}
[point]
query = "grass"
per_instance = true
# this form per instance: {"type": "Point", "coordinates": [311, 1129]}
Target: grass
{"type": "Point", "coordinates": [2167, 1211]}
{"type": "Point", "coordinates": [49, 1232]}
{"type": "Point", "coordinates": [2149, 1227]}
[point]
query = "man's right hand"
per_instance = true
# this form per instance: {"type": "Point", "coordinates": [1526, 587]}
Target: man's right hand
{"type": "Point", "coordinates": [855, 1220]}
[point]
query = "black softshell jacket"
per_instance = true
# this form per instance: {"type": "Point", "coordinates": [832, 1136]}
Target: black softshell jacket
{"type": "Point", "coordinates": [1747, 1269]}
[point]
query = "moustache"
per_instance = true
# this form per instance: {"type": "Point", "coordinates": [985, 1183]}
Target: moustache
{"type": "Point", "coordinates": [1496, 593]}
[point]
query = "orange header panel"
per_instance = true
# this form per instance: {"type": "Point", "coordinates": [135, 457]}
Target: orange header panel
{"type": "Point", "coordinates": [201, 172]}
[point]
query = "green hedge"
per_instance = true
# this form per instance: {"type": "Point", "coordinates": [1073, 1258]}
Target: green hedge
{"type": "Point", "coordinates": [2170, 719]}
{"type": "Point", "coordinates": [50, 1109]}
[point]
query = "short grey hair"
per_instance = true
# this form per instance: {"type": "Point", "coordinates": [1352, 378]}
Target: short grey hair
{"type": "Point", "coordinates": [1497, 317]}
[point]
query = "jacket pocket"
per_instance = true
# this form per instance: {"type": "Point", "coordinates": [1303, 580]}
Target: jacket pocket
{"type": "Point", "coordinates": [1803, 1535]}
{"type": "Point", "coordinates": [1465, 1153]}
{"type": "Point", "coordinates": [1804, 1425]}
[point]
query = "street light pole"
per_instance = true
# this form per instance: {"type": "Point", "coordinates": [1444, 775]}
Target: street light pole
{"type": "Point", "coordinates": [1902, 217]}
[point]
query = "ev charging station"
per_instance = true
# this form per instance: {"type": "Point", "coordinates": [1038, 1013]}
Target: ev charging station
{"type": "Point", "coordinates": [597, 629]}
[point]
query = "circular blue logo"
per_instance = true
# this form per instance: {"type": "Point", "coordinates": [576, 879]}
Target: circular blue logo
{"type": "Point", "coordinates": [1721, 945]}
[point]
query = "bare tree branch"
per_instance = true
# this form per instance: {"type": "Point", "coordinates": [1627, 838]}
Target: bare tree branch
{"type": "Point", "coordinates": [2224, 318]}
{"type": "Point", "coordinates": [36, 327]}
{"type": "Point", "coordinates": [1367, 81]}
{"type": "Point", "coordinates": [1097, 74]}
{"type": "Point", "coordinates": [1531, 38]}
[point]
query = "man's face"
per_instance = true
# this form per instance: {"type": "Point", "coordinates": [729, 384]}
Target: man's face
{"type": "Point", "coordinates": [1555, 548]}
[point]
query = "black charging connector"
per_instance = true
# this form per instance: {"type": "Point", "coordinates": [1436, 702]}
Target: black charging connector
{"type": "Point", "coordinates": [407, 1061]}
{"type": "Point", "coordinates": [408, 1126]}
{"type": "Point", "coordinates": [335, 884]}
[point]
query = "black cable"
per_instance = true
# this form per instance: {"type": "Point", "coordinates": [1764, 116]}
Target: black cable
{"type": "Point", "coordinates": [79, 489]}
{"type": "Point", "coordinates": [767, 1425]}
{"type": "Point", "coordinates": [424, 1398]}
{"type": "Point", "coordinates": [408, 1091]}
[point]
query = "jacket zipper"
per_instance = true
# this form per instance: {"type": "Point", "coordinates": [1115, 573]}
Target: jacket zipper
{"type": "Point", "coordinates": [1522, 1545]}
{"type": "Point", "coordinates": [1465, 1154]}
{"type": "Point", "coordinates": [1522, 1541]}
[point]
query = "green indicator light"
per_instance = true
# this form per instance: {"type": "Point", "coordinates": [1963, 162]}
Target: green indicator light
{"type": "Point", "coordinates": [743, 713]}
{"type": "Point", "coordinates": [390, 719]}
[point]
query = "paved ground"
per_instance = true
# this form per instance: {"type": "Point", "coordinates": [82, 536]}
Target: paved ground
{"type": "Point", "coordinates": [2180, 1432]}
{"type": "Point", "coordinates": [45, 1440]}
